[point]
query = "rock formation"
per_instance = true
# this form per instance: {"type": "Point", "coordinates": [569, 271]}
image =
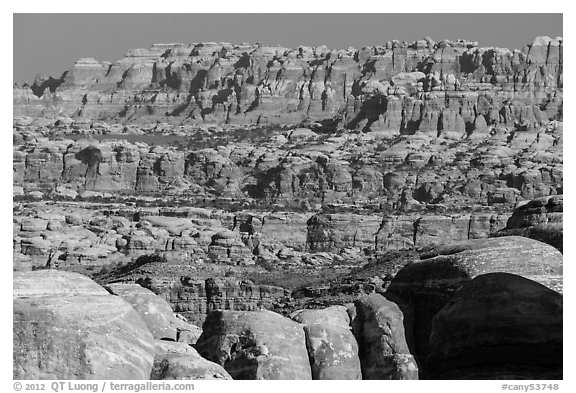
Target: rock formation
{"type": "Point", "coordinates": [407, 173]}
{"type": "Point", "coordinates": [539, 219]}
{"type": "Point", "coordinates": [255, 345]}
{"type": "Point", "coordinates": [195, 298]}
{"type": "Point", "coordinates": [155, 311]}
{"type": "Point", "coordinates": [398, 87]}
{"type": "Point", "coordinates": [498, 326]}
{"type": "Point", "coordinates": [322, 214]}
{"type": "Point", "coordinates": [500, 107]}
{"type": "Point", "coordinates": [68, 327]}
{"type": "Point", "coordinates": [425, 286]}
{"type": "Point", "coordinates": [332, 347]}
{"type": "Point", "coordinates": [384, 353]}
{"type": "Point", "coordinates": [177, 361]}
{"type": "Point", "coordinates": [404, 231]}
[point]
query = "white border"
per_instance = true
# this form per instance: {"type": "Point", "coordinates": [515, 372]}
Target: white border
{"type": "Point", "coordinates": [259, 6]}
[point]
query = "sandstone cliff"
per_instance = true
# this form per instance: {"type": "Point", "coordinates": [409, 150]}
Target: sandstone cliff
{"type": "Point", "coordinates": [448, 87]}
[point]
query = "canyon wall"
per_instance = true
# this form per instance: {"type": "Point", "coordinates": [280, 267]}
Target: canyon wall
{"type": "Point", "coordinates": [427, 87]}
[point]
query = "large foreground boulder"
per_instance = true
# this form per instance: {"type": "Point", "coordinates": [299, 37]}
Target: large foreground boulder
{"type": "Point", "coordinates": [501, 326]}
{"type": "Point", "coordinates": [379, 328]}
{"type": "Point", "coordinates": [68, 327]}
{"type": "Point", "coordinates": [332, 347]}
{"type": "Point", "coordinates": [255, 345]}
{"type": "Point", "coordinates": [425, 286]}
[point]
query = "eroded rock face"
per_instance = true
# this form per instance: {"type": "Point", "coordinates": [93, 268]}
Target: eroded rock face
{"type": "Point", "coordinates": [398, 87]}
{"type": "Point", "coordinates": [405, 231]}
{"type": "Point", "coordinates": [427, 285]}
{"type": "Point", "coordinates": [539, 219]}
{"type": "Point", "coordinates": [195, 298]}
{"type": "Point", "coordinates": [405, 173]}
{"type": "Point", "coordinates": [379, 327]}
{"type": "Point", "coordinates": [255, 345]}
{"type": "Point", "coordinates": [446, 123]}
{"type": "Point", "coordinates": [334, 232]}
{"type": "Point", "coordinates": [498, 326]}
{"type": "Point", "coordinates": [68, 327]}
{"type": "Point", "coordinates": [332, 347]}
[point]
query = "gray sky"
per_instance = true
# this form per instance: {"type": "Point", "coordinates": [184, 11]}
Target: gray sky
{"type": "Point", "coordinates": [50, 43]}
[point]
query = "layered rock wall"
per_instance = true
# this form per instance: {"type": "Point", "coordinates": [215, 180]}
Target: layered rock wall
{"type": "Point", "coordinates": [407, 173]}
{"type": "Point", "coordinates": [449, 87]}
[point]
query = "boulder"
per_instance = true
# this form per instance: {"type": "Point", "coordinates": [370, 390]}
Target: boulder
{"type": "Point", "coordinates": [302, 134]}
{"type": "Point", "coordinates": [65, 326]}
{"type": "Point", "coordinates": [332, 348]}
{"type": "Point", "coordinates": [33, 225]}
{"type": "Point", "coordinates": [186, 332]}
{"type": "Point", "coordinates": [73, 219]}
{"type": "Point", "coordinates": [255, 345]}
{"type": "Point", "coordinates": [154, 310]}
{"type": "Point", "coordinates": [426, 285]}
{"type": "Point", "coordinates": [498, 326]}
{"type": "Point", "coordinates": [379, 328]}
{"type": "Point", "coordinates": [177, 361]}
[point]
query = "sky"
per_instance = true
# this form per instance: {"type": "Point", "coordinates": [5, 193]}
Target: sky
{"type": "Point", "coordinates": [51, 43]}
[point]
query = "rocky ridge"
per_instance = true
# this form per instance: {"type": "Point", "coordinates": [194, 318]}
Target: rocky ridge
{"type": "Point", "coordinates": [427, 87]}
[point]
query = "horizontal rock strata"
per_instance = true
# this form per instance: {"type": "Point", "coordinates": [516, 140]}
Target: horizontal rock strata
{"type": "Point", "coordinates": [447, 87]}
